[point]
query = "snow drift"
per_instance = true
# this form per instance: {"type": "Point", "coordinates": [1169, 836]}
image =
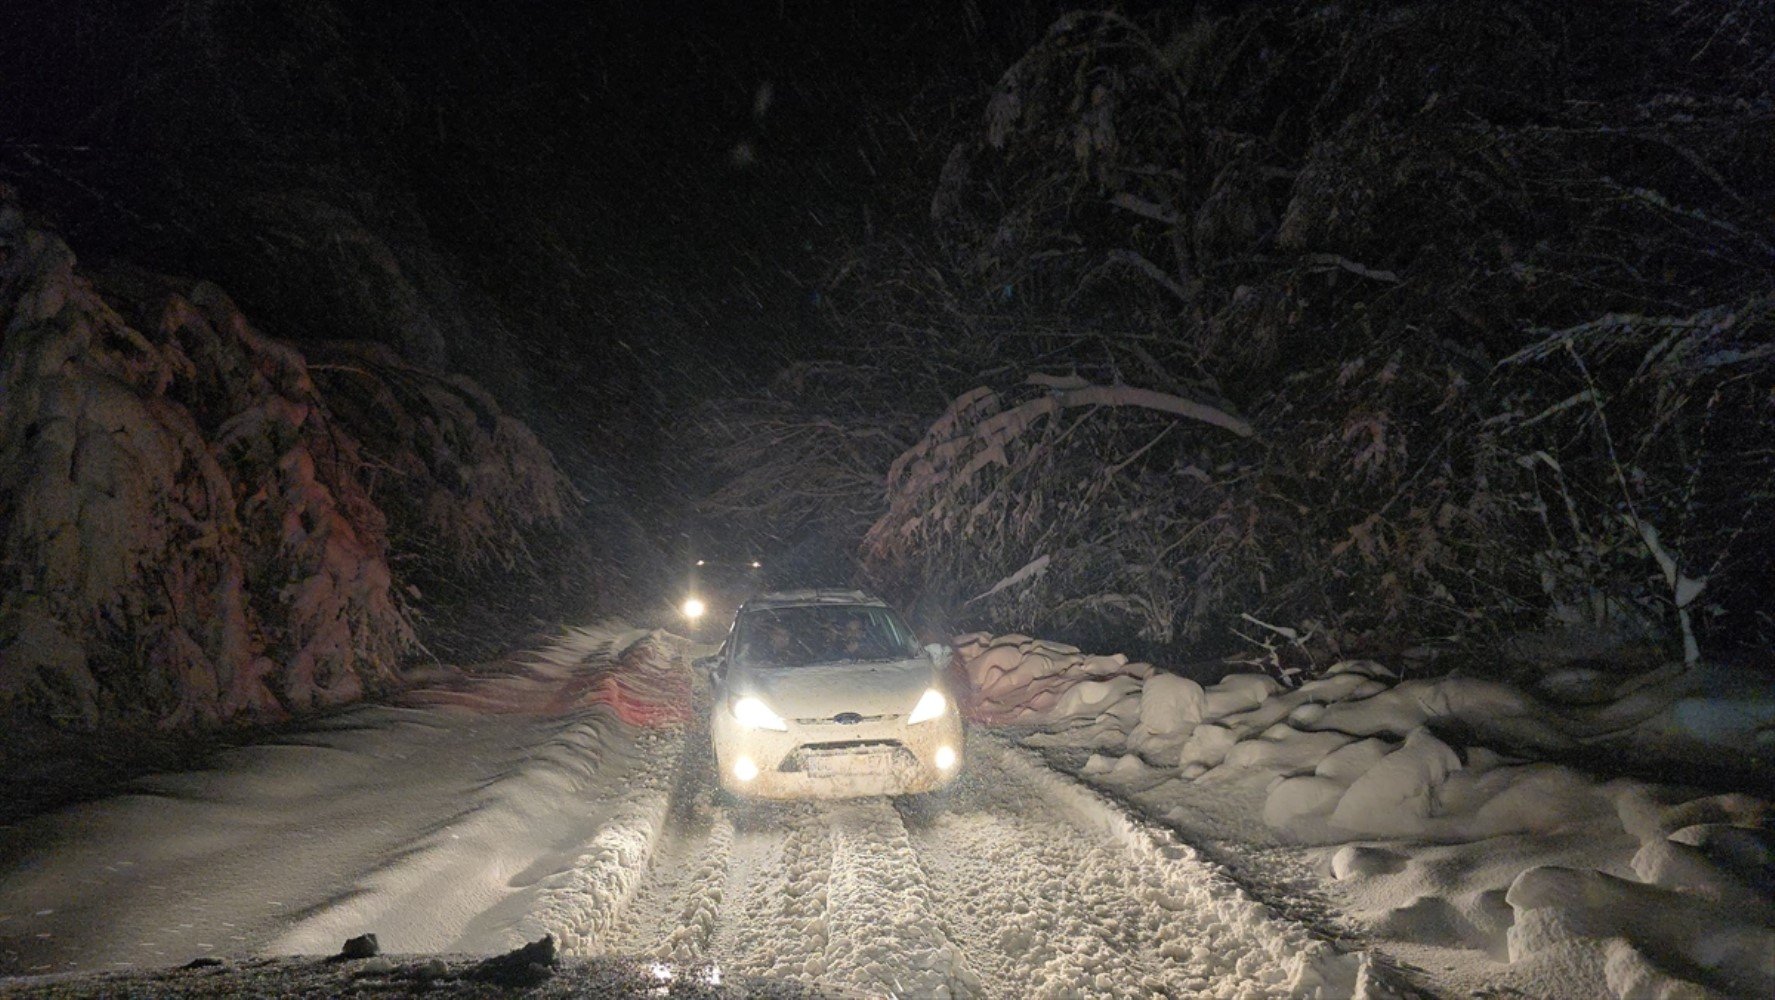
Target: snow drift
{"type": "Point", "coordinates": [1014, 679]}
{"type": "Point", "coordinates": [1438, 812]}
{"type": "Point", "coordinates": [189, 532]}
{"type": "Point", "coordinates": [455, 817]}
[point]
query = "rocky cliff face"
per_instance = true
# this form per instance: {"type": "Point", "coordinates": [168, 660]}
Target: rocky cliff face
{"type": "Point", "coordinates": [190, 531]}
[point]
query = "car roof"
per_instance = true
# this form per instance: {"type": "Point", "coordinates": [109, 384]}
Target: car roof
{"type": "Point", "coordinates": [805, 598]}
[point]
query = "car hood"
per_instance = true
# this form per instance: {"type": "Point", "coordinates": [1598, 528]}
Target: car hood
{"type": "Point", "coordinates": [820, 692]}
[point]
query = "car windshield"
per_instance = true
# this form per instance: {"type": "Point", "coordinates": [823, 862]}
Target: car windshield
{"type": "Point", "coordinates": [800, 636]}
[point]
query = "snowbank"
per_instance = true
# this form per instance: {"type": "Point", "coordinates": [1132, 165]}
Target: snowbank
{"type": "Point", "coordinates": [1013, 679]}
{"type": "Point", "coordinates": [1558, 878]}
{"type": "Point", "coordinates": [472, 814]}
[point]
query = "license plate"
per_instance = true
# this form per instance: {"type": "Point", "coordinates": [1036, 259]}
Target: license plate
{"type": "Point", "coordinates": [839, 765]}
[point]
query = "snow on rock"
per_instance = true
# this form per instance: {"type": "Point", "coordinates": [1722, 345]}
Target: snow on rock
{"type": "Point", "coordinates": [1305, 707]}
{"type": "Point", "coordinates": [1013, 679]}
{"type": "Point", "coordinates": [1109, 697]}
{"type": "Point", "coordinates": [1170, 704]}
{"type": "Point", "coordinates": [1130, 768]}
{"type": "Point", "coordinates": [1208, 745]}
{"type": "Point", "coordinates": [1170, 708]}
{"type": "Point", "coordinates": [1294, 799]}
{"type": "Point", "coordinates": [1647, 811]}
{"type": "Point", "coordinates": [1358, 860]}
{"type": "Point", "coordinates": [1398, 793]}
{"type": "Point", "coordinates": [1748, 852]}
{"type": "Point", "coordinates": [1480, 846]}
{"type": "Point", "coordinates": [1099, 764]}
{"type": "Point", "coordinates": [1102, 666]}
{"type": "Point", "coordinates": [1716, 708]}
{"type": "Point", "coordinates": [1670, 931]}
{"type": "Point", "coordinates": [1689, 869]}
{"type": "Point", "coordinates": [1658, 713]}
{"type": "Point", "coordinates": [1237, 693]}
{"type": "Point", "coordinates": [1532, 798]}
{"type": "Point", "coordinates": [1492, 708]}
{"type": "Point", "coordinates": [1285, 751]}
{"type": "Point", "coordinates": [1364, 668]}
{"type": "Point", "coordinates": [1352, 760]}
{"type": "Point", "coordinates": [1630, 976]}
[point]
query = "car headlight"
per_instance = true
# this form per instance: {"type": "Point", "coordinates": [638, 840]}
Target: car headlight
{"type": "Point", "coordinates": [755, 714]}
{"type": "Point", "coordinates": [930, 706]}
{"type": "Point", "coordinates": [694, 608]}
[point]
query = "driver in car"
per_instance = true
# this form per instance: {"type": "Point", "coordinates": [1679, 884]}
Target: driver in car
{"type": "Point", "coordinates": [852, 640]}
{"type": "Point", "coordinates": [771, 647]}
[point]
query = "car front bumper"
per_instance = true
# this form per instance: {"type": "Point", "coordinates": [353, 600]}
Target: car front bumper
{"type": "Point", "coordinates": [821, 759]}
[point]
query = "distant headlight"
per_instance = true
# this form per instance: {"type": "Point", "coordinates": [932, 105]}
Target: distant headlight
{"type": "Point", "coordinates": [930, 706]}
{"type": "Point", "coordinates": [755, 714]}
{"type": "Point", "coordinates": [694, 608]}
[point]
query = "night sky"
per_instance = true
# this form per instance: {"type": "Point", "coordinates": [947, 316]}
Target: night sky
{"type": "Point", "coordinates": [697, 161]}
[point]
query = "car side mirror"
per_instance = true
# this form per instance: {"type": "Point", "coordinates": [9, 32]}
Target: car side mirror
{"type": "Point", "coordinates": [713, 666]}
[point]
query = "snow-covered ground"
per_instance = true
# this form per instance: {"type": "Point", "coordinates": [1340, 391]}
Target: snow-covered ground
{"type": "Point", "coordinates": [435, 822]}
{"type": "Point", "coordinates": [570, 794]}
{"type": "Point", "coordinates": [1429, 821]}
{"type": "Point", "coordinates": [1118, 831]}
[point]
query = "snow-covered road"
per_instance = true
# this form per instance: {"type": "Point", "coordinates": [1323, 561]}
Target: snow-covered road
{"type": "Point", "coordinates": [1016, 883]}
{"type": "Point", "coordinates": [566, 795]}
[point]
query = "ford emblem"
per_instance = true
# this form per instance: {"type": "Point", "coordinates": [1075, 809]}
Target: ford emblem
{"type": "Point", "coordinates": [847, 718]}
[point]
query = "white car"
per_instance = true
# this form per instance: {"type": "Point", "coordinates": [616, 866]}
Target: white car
{"type": "Point", "coordinates": [827, 694]}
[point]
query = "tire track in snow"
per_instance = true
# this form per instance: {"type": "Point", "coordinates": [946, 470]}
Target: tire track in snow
{"type": "Point", "coordinates": [821, 893]}
{"type": "Point", "coordinates": [1054, 892]}
{"type": "Point", "coordinates": [883, 933]}
{"type": "Point", "coordinates": [1202, 919]}
{"type": "Point", "coordinates": [1018, 882]}
{"type": "Point", "coordinates": [740, 888]}
{"type": "Point", "coordinates": [672, 917]}
{"type": "Point", "coordinates": [1041, 908]}
{"type": "Point", "coordinates": [689, 941]}
{"type": "Point", "coordinates": [776, 895]}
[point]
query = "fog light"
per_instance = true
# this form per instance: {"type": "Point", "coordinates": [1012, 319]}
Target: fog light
{"type": "Point", "coordinates": [744, 769]}
{"type": "Point", "coordinates": [945, 758]}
